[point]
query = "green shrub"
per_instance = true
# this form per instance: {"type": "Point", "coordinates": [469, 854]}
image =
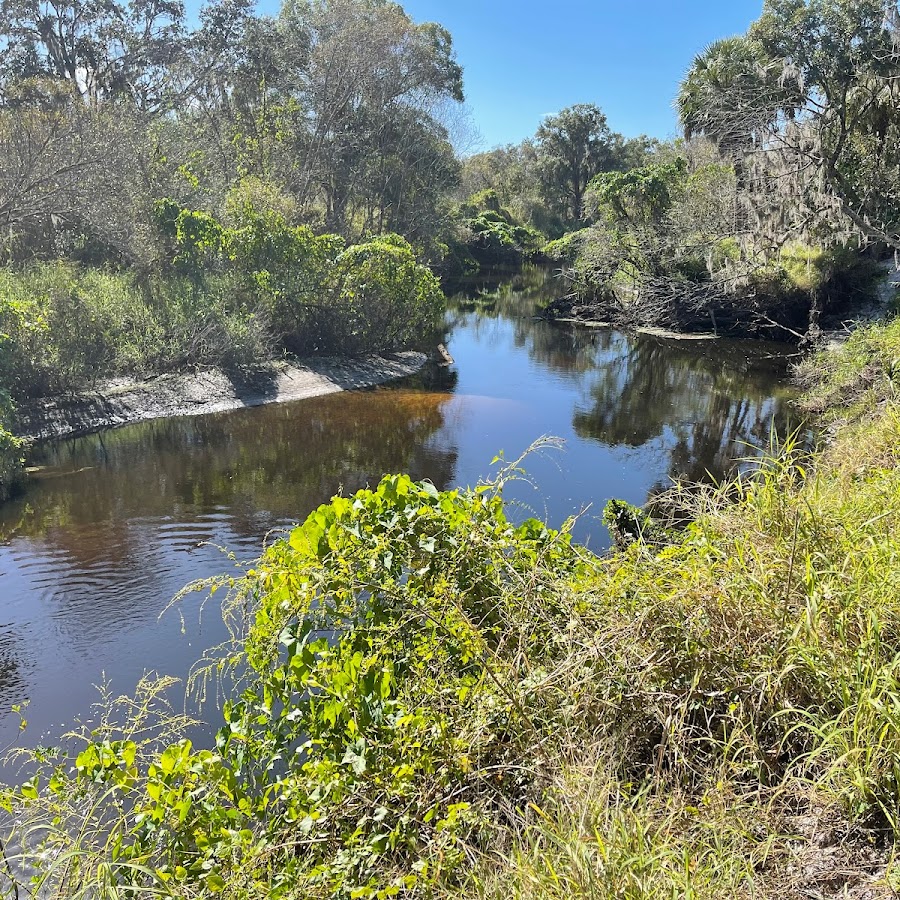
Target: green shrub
{"type": "Point", "coordinates": [486, 201]}
{"type": "Point", "coordinates": [456, 259]}
{"type": "Point", "coordinates": [834, 277]}
{"type": "Point", "coordinates": [309, 291]}
{"type": "Point", "coordinates": [12, 460]}
{"type": "Point", "coordinates": [252, 196]}
{"type": "Point", "coordinates": [567, 248]}
{"type": "Point", "coordinates": [233, 297]}
{"type": "Point", "coordinates": [360, 764]}
{"type": "Point", "coordinates": [283, 272]}
{"type": "Point", "coordinates": [66, 327]}
{"type": "Point", "coordinates": [494, 235]}
{"type": "Point", "coordinates": [806, 268]}
{"type": "Point", "coordinates": [725, 250]}
{"type": "Point", "coordinates": [383, 299]}
{"type": "Point", "coordinates": [496, 241]}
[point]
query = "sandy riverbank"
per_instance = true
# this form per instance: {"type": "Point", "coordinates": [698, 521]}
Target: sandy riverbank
{"type": "Point", "coordinates": [125, 401]}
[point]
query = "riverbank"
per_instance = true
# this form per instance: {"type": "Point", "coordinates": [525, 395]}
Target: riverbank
{"type": "Point", "coordinates": [702, 311]}
{"type": "Point", "coordinates": [883, 303]}
{"type": "Point", "coordinates": [710, 711]}
{"type": "Point", "coordinates": [125, 401]}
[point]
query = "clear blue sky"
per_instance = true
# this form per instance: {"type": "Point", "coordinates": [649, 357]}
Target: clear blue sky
{"type": "Point", "coordinates": [524, 59]}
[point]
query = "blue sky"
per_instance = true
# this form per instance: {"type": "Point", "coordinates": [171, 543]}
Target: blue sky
{"type": "Point", "coordinates": [524, 59]}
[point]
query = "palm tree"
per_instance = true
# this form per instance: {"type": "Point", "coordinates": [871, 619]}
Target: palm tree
{"type": "Point", "coordinates": [725, 95]}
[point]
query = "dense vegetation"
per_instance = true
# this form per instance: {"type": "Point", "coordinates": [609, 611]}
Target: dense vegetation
{"type": "Point", "coordinates": [544, 180]}
{"type": "Point", "coordinates": [175, 196]}
{"type": "Point", "coordinates": [425, 699]}
{"type": "Point", "coordinates": [762, 219]}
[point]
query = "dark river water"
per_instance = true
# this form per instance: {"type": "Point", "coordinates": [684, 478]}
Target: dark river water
{"type": "Point", "coordinates": [115, 524]}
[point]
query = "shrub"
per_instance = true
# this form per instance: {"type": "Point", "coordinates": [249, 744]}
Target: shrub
{"type": "Point", "coordinates": [66, 327]}
{"type": "Point", "coordinates": [311, 292]}
{"type": "Point", "coordinates": [567, 248]}
{"type": "Point", "coordinates": [282, 271]}
{"type": "Point", "coordinates": [12, 460]}
{"type": "Point", "coordinates": [493, 234]}
{"type": "Point", "coordinates": [383, 298]}
{"type": "Point", "coordinates": [486, 201]}
{"type": "Point", "coordinates": [233, 297]}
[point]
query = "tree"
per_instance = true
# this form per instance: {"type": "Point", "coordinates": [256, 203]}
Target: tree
{"type": "Point", "coordinates": [572, 147]}
{"type": "Point", "coordinates": [104, 50]}
{"type": "Point", "coordinates": [724, 95]}
{"type": "Point", "coordinates": [46, 152]}
{"type": "Point", "coordinates": [336, 100]}
{"type": "Point", "coordinates": [640, 197]}
{"type": "Point", "coordinates": [812, 92]}
{"type": "Point", "coordinates": [369, 64]}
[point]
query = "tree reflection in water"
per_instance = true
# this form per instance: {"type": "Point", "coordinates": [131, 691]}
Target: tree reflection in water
{"type": "Point", "coordinates": [266, 465]}
{"type": "Point", "coordinates": [712, 407]}
{"type": "Point", "coordinates": [113, 525]}
{"type": "Point", "coordinates": [711, 402]}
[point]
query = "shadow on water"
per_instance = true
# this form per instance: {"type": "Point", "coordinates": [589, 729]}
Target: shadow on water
{"type": "Point", "coordinates": [115, 524]}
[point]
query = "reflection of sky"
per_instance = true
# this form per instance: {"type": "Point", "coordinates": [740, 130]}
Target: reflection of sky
{"type": "Point", "coordinates": [114, 527]}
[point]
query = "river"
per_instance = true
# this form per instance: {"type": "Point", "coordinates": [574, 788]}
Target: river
{"type": "Point", "coordinates": [116, 523]}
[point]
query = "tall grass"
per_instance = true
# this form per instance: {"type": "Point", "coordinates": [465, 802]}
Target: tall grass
{"type": "Point", "coordinates": [745, 702]}
{"type": "Point", "coordinates": [488, 711]}
{"type": "Point", "coordinates": [858, 380]}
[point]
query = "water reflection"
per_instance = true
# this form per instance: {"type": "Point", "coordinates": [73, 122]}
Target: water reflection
{"type": "Point", "coordinates": [701, 404]}
{"type": "Point", "coordinates": [716, 404]}
{"type": "Point", "coordinates": [113, 525]}
{"type": "Point", "coordinates": [262, 464]}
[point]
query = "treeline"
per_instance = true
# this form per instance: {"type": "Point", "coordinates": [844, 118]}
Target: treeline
{"type": "Point", "coordinates": [196, 168]}
{"type": "Point", "coordinates": [512, 200]}
{"type": "Point", "coordinates": [766, 216]}
{"type": "Point", "coordinates": [106, 108]}
{"type": "Point", "coordinates": [177, 195]}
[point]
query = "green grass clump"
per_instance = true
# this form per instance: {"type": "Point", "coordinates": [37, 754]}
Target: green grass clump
{"type": "Point", "coordinates": [859, 379]}
{"type": "Point", "coordinates": [566, 248]}
{"type": "Point", "coordinates": [437, 702]}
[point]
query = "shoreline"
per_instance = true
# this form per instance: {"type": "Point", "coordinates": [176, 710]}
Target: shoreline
{"type": "Point", "coordinates": [127, 401]}
{"type": "Point", "coordinates": [589, 314]}
{"type": "Point", "coordinates": [876, 311]}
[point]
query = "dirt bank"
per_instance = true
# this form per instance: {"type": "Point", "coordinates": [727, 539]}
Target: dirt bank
{"type": "Point", "coordinates": [124, 401]}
